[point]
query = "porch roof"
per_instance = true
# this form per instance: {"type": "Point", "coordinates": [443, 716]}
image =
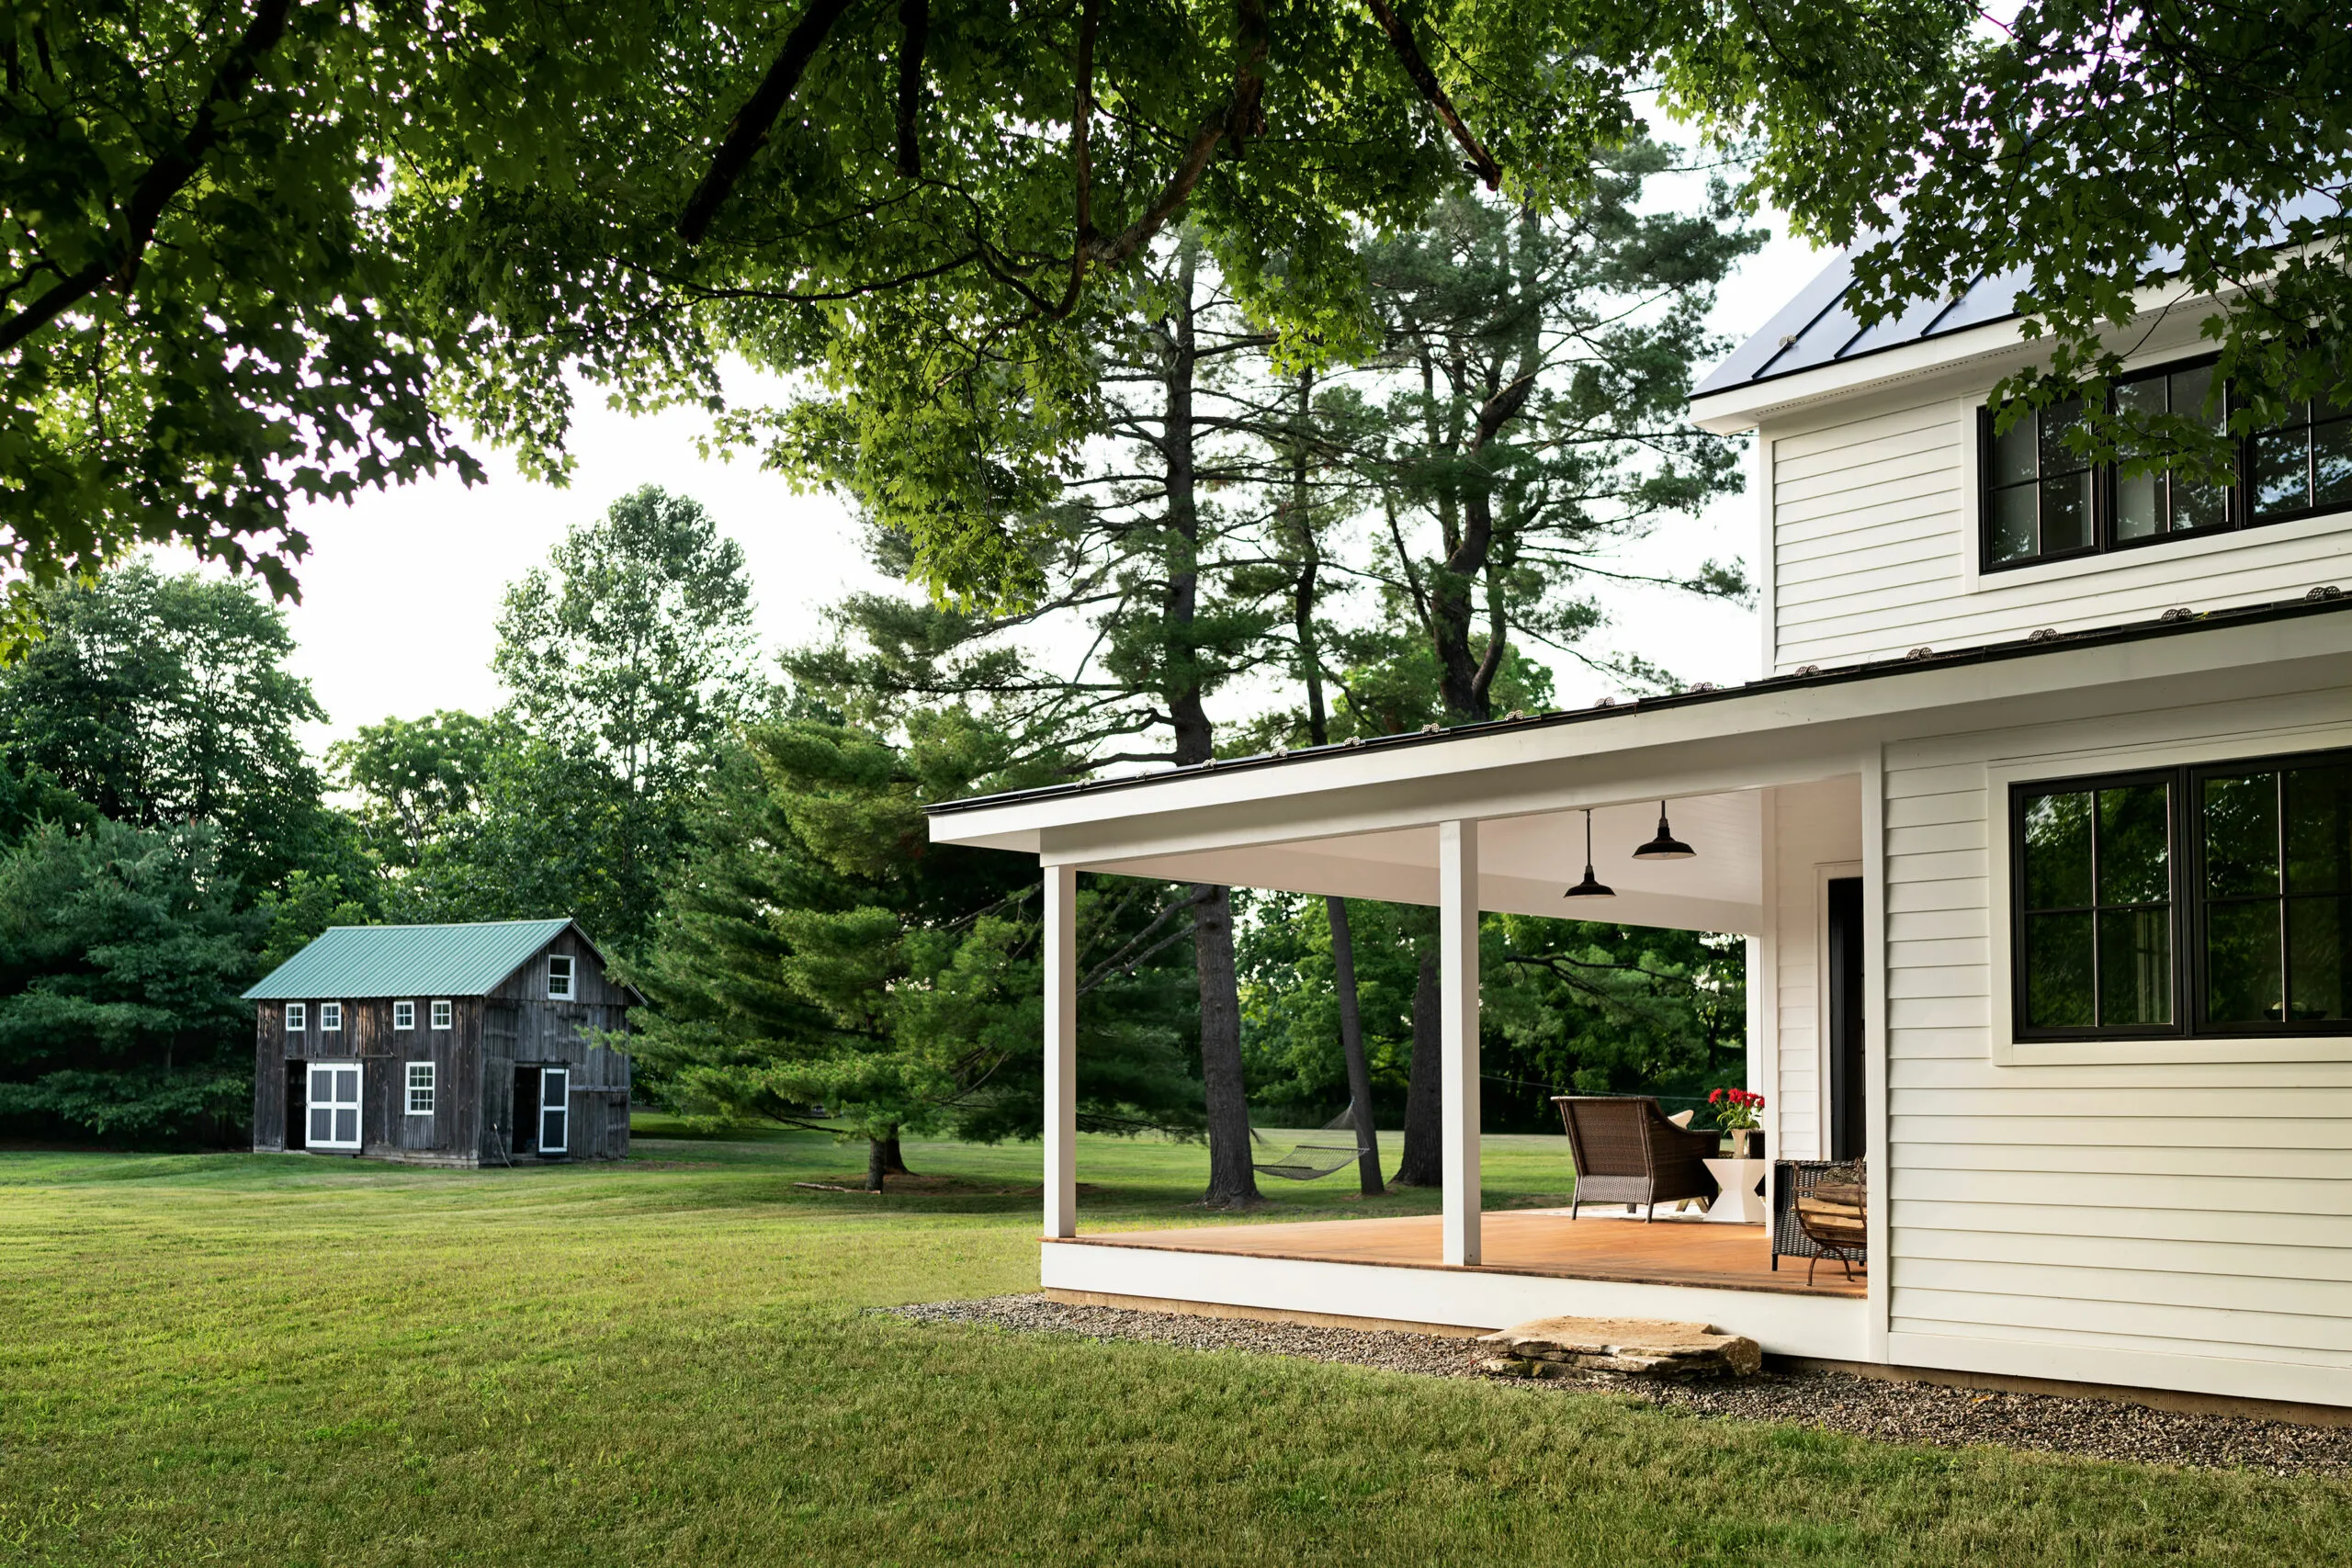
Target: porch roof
{"type": "Point", "coordinates": [1782, 729]}
{"type": "Point", "coordinates": [1361, 820]}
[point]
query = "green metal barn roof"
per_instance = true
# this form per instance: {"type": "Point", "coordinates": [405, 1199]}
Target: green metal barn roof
{"type": "Point", "coordinates": [410, 960]}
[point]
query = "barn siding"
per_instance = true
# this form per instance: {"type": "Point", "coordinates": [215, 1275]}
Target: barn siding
{"type": "Point", "coordinates": [2108, 1208]}
{"type": "Point", "coordinates": [1873, 531]}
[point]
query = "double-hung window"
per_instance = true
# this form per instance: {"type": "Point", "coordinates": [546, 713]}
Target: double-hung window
{"type": "Point", "coordinates": [2043, 503]}
{"type": "Point", "coordinates": [420, 1089]}
{"type": "Point", "coordinates": [2213, 900]}
{"type": "Point", "coordinates": [403, 1015]}
{"type": "Point", "coordinates": [331, 1018]}
{"type": "Point", "coordinates": [559, 977]}
{"type": "Point", "coordinates": [440, 1015]}
{"type": "Point", "coordinates": [298, 1017]}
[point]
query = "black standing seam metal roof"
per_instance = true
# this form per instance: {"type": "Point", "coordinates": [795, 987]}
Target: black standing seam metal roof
{"type": "Point", "coordinates": [2325, 600]}
{"type": "Point", "coordinates": [1816, 327]}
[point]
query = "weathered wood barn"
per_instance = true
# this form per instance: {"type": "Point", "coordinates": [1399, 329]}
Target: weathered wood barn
{"type": "Point", "coordinates": [463, 1045]}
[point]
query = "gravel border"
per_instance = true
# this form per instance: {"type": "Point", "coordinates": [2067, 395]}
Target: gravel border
{"type": "Point", "coordinates": [1892, 1412]}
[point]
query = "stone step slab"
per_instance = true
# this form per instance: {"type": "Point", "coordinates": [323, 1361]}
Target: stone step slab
{"type": "Point", "coordinates": [1566, 1347]}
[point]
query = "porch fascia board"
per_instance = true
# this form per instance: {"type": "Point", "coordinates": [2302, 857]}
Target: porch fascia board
{"type": "Point", "coordinates": [1779, 732]}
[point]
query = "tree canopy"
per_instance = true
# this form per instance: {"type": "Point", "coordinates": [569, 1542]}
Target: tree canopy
{"type": "Point", "coordinates": [255, 253]}
{"type": "Point", "coordinates": [2101, 159]}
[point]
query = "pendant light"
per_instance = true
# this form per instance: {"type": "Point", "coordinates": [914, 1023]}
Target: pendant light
{"type": "Point", "coordinates": [1591, 886]}
{"type": "Point", "coordinates": [1666, 846]}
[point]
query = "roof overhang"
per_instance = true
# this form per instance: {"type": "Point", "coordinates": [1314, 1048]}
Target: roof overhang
{"type": "Point", "coordinates": [1977, 355]}
{"type": "Point", "coordinates": [1786, 730]}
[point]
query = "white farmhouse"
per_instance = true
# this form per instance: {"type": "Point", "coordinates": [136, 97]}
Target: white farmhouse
{"type": "Point", "coordinates": [2038, 822]}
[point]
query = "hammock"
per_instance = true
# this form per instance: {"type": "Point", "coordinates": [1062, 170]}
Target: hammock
{"type": "Point", "coordinates": [1313, 1160]}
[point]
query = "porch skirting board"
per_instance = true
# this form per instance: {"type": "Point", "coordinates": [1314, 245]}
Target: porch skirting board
{"type": "Point", "coordinates": [1830, 1327]}
{"type": "Point", "coordinates": [1259, 1314]}
{"type": "Point", "coordinates": [2284, 1382]}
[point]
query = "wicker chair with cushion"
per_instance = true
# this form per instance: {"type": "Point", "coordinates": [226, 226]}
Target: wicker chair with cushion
{"type": "Point", "coordinates": [1627, 1152]}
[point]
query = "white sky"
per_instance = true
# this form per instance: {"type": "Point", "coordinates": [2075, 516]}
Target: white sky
{"type": "Point", "coordinates": [439, 556]}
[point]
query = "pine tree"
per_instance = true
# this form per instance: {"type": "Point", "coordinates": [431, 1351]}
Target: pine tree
{"type": "Point", "coordinates": [821, 953]}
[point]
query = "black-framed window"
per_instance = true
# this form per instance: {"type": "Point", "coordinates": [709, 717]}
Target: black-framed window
{"type": "Point", "coordinates": [2213, 900]}
{"type": "Point", "coordinates": [2042, 502]}
{"type": "Point", "coordinates": [2096, 905]}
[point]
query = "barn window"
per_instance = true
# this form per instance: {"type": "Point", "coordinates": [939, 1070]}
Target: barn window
{"type": "Point", "coordinates": [420, 1089]}
{"type": "Point", "coordinates": [440, 1015]}
{"type": "Point", "coordinates": [559, 977]}
{"type": "Point", "coordinates": [331, 1018]}
{"type": "Point", "coordinates": [298, 1017]}
{"type": "Point", "coordinates": [403, 1015]}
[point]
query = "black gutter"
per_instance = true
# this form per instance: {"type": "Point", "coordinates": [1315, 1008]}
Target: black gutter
{"type": "Point", "coordinates": [2321, 601]}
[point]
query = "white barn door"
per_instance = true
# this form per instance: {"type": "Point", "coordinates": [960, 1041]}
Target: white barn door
{"type": "Point", "coordinates": [554, 1111]}
{"type": "Point", "coordinates": [335, 1106]}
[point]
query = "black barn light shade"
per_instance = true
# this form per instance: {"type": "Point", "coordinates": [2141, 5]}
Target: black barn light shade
{"type": "Point", "coordinates": [1666, 846]}
{"type": "Point", "coordinates": [1591, 886]}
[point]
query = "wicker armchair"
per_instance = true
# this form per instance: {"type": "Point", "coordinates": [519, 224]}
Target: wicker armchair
{"type": "Point", "coordinates": [1627, 1152]}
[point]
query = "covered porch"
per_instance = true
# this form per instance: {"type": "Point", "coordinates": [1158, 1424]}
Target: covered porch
{"type": "Point", "coordinates": [1492, 820]}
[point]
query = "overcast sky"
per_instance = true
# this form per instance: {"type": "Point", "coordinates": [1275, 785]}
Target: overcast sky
{"type": "Point", "coordinates": [437, 556]}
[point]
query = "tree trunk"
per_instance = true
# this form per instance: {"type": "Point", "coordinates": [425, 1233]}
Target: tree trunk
{"type": "Point", "coordinates": [1343, 978]}
{"type": "Point", "coordinates": [1233, 1178]}
{"type": "Point", "coordinates": [1424, 1161]}
{"type": "Point", "coordinates": [877, 1164]}
{"type": "Point", "coordinates": [893, 1161]}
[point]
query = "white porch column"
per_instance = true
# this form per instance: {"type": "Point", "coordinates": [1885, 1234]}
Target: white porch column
{"type": "Point", "coordinates": [1457, 948]}
{"type": "Point", "coordinates": [1061, 1050]}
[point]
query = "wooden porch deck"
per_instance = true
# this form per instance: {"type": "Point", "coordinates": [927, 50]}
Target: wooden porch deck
{"type": "Point", "coordinates": [1666, 1252]}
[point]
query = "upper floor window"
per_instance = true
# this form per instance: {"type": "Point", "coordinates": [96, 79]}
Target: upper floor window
{"type": "Point", "coordinates": [403, 1015]}
{"type": "Point", "coordinates": [331, 1018]}
{"type": "Point", "coordinates": [2043, 503]}
{"type": "Point", "coordinates": [2118, 933]}
{"type": "Point", "coordinates": [440, 1015]}
{"type": "Point", "coordinates": [420, 1089]}
{"type": "Point", "coordinates": [559, 975]}
{"type": "Point", "coordinates": [297, 1016]}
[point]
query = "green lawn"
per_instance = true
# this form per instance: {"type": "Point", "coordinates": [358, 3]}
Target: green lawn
{"type": "Point", "coordinates": [284, 1360]}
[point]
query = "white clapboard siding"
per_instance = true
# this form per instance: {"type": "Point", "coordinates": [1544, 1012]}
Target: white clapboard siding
{"type": "Point", "coordinates": [1872, 538]}
{"type": "Point", "coordinates": [2201, 1263]}
{"type": "Point", "coordinates": [2174, 1209]}
{"type": "Point", "coordinates": [1815, 825]}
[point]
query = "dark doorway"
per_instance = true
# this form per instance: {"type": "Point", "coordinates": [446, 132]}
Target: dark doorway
{"type": "Point", "coordinates": [298, 1092]}
{"type": "Point", "coordinates": [1848, 1123]}
{"type": "Point", "coordinates": [526, 1110]}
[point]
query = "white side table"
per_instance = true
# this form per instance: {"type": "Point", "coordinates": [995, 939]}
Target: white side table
{"type": "Point", "coordinates": [1741, 1203]}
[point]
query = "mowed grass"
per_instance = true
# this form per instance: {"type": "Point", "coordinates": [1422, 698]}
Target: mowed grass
{"type": "Point", "coordinates": [287, 1360]}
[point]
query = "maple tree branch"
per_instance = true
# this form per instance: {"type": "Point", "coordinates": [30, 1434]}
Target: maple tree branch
{"type": "Point", "coordinates": [1409, 53]}
{"type": "Point", "coordinates": [1241, 119]}
{"type": "Point", "coordinates": [164, 178]}
{"type": "Point", "coordinates": [751, 123]}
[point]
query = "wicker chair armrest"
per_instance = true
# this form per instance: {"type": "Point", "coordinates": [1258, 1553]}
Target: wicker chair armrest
{"type": "Point", "coordinates": [1688, 1143]}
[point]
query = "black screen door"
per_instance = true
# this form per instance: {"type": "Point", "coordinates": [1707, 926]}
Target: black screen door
{"type": "Point", "coordinates": [1848, 1125]}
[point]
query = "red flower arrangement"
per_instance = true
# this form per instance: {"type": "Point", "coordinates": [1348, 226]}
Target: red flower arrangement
{"type": "Point", "coordinates": [1735, 1108]}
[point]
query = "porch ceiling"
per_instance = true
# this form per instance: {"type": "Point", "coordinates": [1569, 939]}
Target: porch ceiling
{"type": "Point", "coordinates": [1525, 863]}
